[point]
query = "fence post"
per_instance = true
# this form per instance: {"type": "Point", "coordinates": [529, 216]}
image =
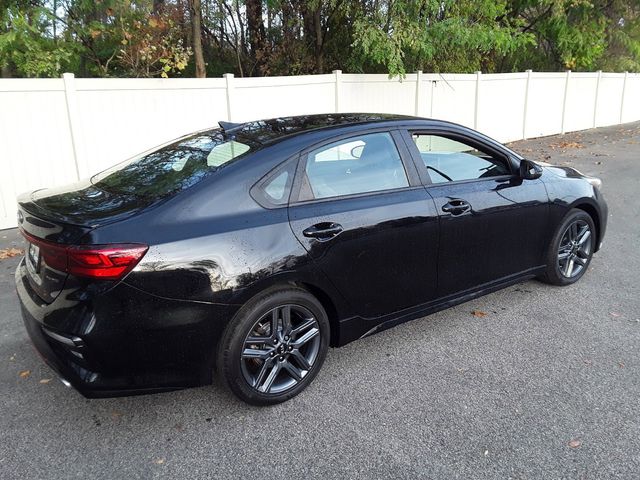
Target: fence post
{"type": "Point", "coordinates": [72, 117]}
{"type": "Point", "coordinates": [229, 78]}
{"type": "Point", "coordinates": [595, 103]}
{"type": "Point", "coordinates": [624, 89]}
{"type": "Point", "coordinates": [418, 93]}
{"type": "Point", "coordinates": [564, 101]}
{"type": "Point", "coordinates": [337, 74]}
{"type": "Point", "coordinates": [433, 92]}
{"type": "Point", "coordinates": [526, 105]}
{"type": "Point", "coordinates": [475, 113]}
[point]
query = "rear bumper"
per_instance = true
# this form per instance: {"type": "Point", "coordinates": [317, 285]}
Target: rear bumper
{"type": "Point", "coordinates": [124, 341]}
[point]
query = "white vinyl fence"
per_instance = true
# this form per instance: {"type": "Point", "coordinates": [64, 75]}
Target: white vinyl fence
{"type": "Point", "coordinates": [55, 131]}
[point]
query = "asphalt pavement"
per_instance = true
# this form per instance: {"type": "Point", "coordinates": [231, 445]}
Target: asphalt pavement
{"type": "Point", "coordinates": [545, 385]}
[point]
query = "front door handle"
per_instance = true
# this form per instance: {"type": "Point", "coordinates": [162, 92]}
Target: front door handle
{"type": "Point", "coordinates": [323, 230]}
{"type": "Point", "coordinates": [456, 207]}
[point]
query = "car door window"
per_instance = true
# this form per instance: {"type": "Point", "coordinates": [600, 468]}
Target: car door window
{"type": "Point", "coordinates": [449, 160]}
{"type": "Point", "coordinates": [366, 163]}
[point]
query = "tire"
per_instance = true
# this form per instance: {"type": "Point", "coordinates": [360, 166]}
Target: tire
{"type": "Point", "coordinates": [262, 362]}
{"type": "Point", "coordinates": [559, 271]}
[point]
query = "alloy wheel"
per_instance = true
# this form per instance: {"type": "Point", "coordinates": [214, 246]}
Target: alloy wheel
{"type": "Point", "coordinates": [575, 249]}
{"type": "Point", "coordinates": [280, 349]}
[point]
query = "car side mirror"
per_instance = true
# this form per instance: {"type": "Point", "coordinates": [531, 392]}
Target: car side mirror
{"type": "Point", "coordinates": [529, 170]}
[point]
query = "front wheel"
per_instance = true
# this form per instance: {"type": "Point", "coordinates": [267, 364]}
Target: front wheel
{"type": "Point", "coordinates": [571, 249]}
{"type": "Point", "coordinates": [274, 347]}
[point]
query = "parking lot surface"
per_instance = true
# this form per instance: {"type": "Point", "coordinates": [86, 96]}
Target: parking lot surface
{"type": "Point", "coordinates": [545, 384]}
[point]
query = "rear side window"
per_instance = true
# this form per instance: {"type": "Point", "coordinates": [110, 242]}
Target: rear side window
{"type": "Point", "coordinates": [274, 189]}
{"type": "Point", "coordinates": [173, 167]}
{"type": "Point", "coordinates": [367, 163]}
{"type": "Point", "coordinates": [449, 160]}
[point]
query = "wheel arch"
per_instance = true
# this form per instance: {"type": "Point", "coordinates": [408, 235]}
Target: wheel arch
{"type": "Point", "coordinates": [329, 307]}
{"type": "Point", "coordinates": [593, 212]}
{"type": "Point", "coordinates": [328, 297]}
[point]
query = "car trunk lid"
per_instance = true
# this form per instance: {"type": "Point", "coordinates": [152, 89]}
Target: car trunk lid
{"type": "Point", "coordinates": [54, 219]}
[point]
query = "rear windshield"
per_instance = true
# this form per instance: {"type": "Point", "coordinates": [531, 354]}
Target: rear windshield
{"type": "Point", "coordinates": [173, 167]}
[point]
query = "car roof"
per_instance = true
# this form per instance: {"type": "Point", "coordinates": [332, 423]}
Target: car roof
{"type": "Point", "coordinates": [276, 129]}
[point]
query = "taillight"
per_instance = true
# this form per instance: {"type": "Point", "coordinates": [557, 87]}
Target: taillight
{"type": "Point", "coordinates": [108, 262]}
{"type": "Point", "coordinates": [103, 262]}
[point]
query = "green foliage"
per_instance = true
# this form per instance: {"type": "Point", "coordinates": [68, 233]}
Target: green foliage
{"type": "Point", "coordinates": [154, 38]}
{"type": "Point", "coordinates": [435, 35]}
{"type": "Point", "coordinates": [24, 48]}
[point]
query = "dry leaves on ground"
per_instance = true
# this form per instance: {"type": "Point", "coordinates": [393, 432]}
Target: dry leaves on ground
{"type": "Point", "coordinates": [24, 373]}
{"type": "Point", "coordinates": [10, 252]}
{"type": "Point", "coordinates": [575, 443]}
{"type": "Point", "coordinates": [565, 145]}
{"type": "Point", "coordinates": [45, 380]}
{"type": "Point", "coordinates": [479, 313]}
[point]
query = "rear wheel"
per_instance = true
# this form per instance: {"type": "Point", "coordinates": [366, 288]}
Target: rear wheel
{"type": "Point", "coordinates": [571, 249]}
{"type": "Point", "coordinates": [274, 347]}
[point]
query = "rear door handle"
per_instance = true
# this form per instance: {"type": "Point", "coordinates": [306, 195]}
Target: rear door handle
{"type": "Point", "coordinates": [456, 207]}
{"type": "Point", "coordinates": [323, 230]}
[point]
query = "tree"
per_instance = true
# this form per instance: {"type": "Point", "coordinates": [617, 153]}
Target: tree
{"type": "Point", "coordinates": [288, 37]}
{"type": "Point", "coordinates": [196, 33]}
{"type": "Point", "coordinates": [256, 35]}
{"type": "Point", "coordinates": [24, 51]}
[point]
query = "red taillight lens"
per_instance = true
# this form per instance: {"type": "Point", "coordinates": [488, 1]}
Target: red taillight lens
{"type": "Point", "coordinates": [104, 262]}
{"type": "Point", "coordinates": [107, 262]}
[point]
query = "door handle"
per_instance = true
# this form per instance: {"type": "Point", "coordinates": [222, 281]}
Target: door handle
{"type": "Point", "coordinates": [456, 207]}
{"type": "Point", "coordinates": [323, 231]}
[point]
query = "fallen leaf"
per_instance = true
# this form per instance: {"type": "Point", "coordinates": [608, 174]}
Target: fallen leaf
{"type": "Point", "coordinates": [159, 461]}
{"type": "Point", "coordinates": [478, 313]}
{"type": "Point", "coordinates": [575, 443]}
{"type": "Point", "coordinates": [45, 380]}
{"type": "Point", "coordinates": [10, 252]}
{"type": "Point", "coordinates": [566, 145]}
{"type": "Point", "coordinates": [620, 364]}
{"type": "Point", "coordinates": [25, 373]}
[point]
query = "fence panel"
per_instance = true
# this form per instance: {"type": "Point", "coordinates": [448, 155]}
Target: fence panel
{"type": "Point", "coordinates": [35, 143]}
{"type": "Point", "coordinates": [256, 98]}
{"type": "Point", "coordinates": [120, 118]}
{"type": "Point", "coordinates": [581, 94]}
{"type": "Point", "coordinates": [544, 110]}
{"type": "Point", "coordinates": [378, 94]}
{"type": "Point", "coordinates": [501, 105]}
{"type": "Point", "coordinates": [454, 97]}
{"type": "Point", "coordinates": [607, 110]}
{"type": "Point", "coordinates": [53, 131]}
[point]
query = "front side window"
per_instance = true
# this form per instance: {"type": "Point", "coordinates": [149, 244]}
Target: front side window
{"type": "Point", "coordinates": [450, 160]}
{"type": "Point", "coordinates": [362, 164]}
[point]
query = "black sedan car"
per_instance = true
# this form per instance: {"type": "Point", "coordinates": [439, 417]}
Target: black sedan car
{"type": "Point", "coordinates": [251, 248]}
